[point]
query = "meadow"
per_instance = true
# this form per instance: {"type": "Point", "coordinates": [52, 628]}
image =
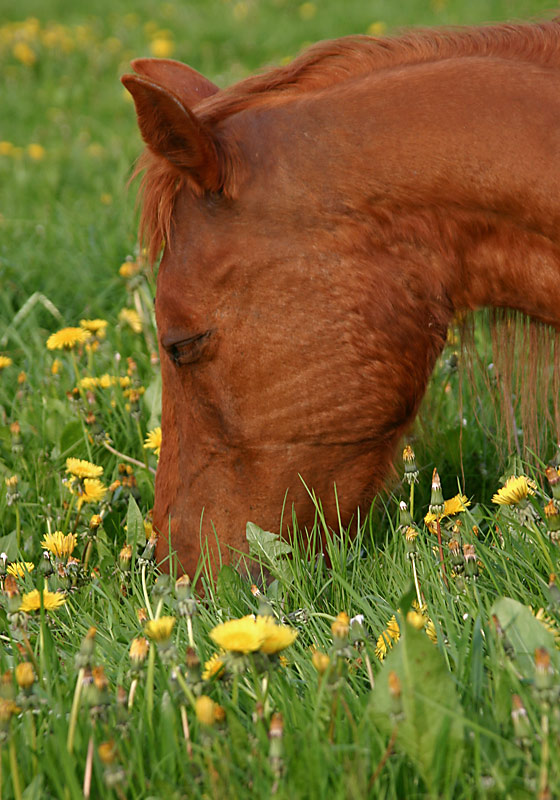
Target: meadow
{"type": "Point", "coordinates": [422, 663]}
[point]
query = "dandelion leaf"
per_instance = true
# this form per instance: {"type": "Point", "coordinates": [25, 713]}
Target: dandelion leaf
{"type": "Point", "coordinates": [71, 436]}
{"type": "Point", "coordinates": [523, 633]}
{"type": "Point", "coordinates": [428, 715]}
{"type": "Point", "coordinates": [135, 533]}
{"type": "Point", "coordinates": [8, 545]}
{"type": "Point", "coordinates": [268, 548]}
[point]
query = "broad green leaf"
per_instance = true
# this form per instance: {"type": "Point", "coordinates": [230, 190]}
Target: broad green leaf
{"type": "Point", "coordinates": [71, 437]}
{"type": "Point", "coordinates": [8, 545]}
{"type": "Point", "coordinates": [152, 401]}
{"type": "Point", "coordinates": [265, 544]}
{"type": "Point", "coordinates": [135, 533]}
{"type": "Point", "coordinates": [430, 723]}
{"type": "Point", "coordinates": [523, 633]}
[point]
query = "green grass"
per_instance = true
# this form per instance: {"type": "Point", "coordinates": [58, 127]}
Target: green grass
{"type": "Point", "coordinates": [437, 721]}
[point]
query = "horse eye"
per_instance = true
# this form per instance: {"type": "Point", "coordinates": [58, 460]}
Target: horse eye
{"type": "Point", "coordinates": [188, 350]}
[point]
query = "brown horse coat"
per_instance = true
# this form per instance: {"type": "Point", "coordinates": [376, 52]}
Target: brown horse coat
{"type": "Point", "coordinates": [322, 224]}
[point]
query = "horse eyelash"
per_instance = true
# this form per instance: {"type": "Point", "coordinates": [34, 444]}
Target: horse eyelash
{"type": "Point", "coordinates": [184, 348]}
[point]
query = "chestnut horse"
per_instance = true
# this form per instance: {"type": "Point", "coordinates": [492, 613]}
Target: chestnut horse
{"type": "Point", "coordinates": [321, 225]}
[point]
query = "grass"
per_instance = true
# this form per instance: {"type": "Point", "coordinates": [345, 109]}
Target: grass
{"type": "Point", "coordinates": [454, 699]}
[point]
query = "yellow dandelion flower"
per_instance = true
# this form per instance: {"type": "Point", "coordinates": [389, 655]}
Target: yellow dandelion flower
{"type": "Point", "coordinates": [276, 637]}
{"type": "Point", "coordinates": [106, 198]}
{"type": "Point", "coordinates": [204, 708]}
{"type": "Point", "coordinates": [32, 601]}
{"type": "Point", "coordinates": [377, 28]}
{"type": "Point", "coordinates": [160, 629]}
{"type": "Point", "coordinates": [5, 361]}
{"type": "Point", "coordinates": [36, 151]}
{"type": "Point", "coordinates": [128, 269]}
{"type": "Point", "coordinates": [6, 148]}
{"type": "Point", "coordinates": [393, 629]}
{"type": "Point", "coordinates": [67, 338]}
{"type": "Point", "coordinates": [89, 384]}
{"type": "Point", "coordinates": [19, 569]}
{"type": "Point", "coordinates": [213, 668]}
{"type": "Point", "coordinates": [383, 645]}
{"type": "Point", "coordinates": [162, 47]}
{"type": "Point", "coordinates": [153, 441]}
{"type": "Point", "coordinates": [431, 631]}
{"type": "Point", "coordinates": [239, 635]}
{"type": "Point", "coordinates": [98, 327]}
{"type": "Point", "coordinates": [307, 11]}
{"type": "Point", "coordinates": [58, 544]}
{"type": "Point", "coordinates": [25, 676]}
{"type": "Point", "coordinates": [515, 490]}
{"type": "Point", "coordinates": [24, 53]}
{"type": "Point", "coordinates": [341, 626]}
{"type": "Point", "coordinates": [139, 650]}
{"type": "Point", "coordinates": [82, 468]}
{"type": "Point", "coordinates": [415, 619]}
{"type": "Point", "coordinates": [56, 367]}
{"type": "Point", "coordinates": [450, 508]}
{"type": "Point", "coordinates": [93, 491]}
{"type": "Point", "coordinates": [131, 317]}
{"type": "Point", "coordinates": [320, 661]}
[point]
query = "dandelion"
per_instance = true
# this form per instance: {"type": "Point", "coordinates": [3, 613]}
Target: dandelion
{"type": "Point", "coordinates": [93, 491]}
{"type": "Point", "coordinates": [239, 635]}
{"type": "Point", "coordinates": [81, 468]}
{"type": "Point", "coordinates": [341, 626]}
{"type": "Point", "coordinates": [153, 440]}
{"type": "Point", "coordinates": [385, 640]}
{"type": "Point", "coordinates": [307, 11]}
{"type": "Point", "coordinates": [67, 338]}
{"type": "Point", "coordinates": [24, 53]}
{"type": "Point", "coordinates": [161, 47]}
{"type": "Point", "coordinates": [451, 508]}
{"type": "Point", "coordinates": [56, 366]}
{"type": "Point", "coordinates": [131, 317]}
{"type": "Point", "coordinates": [36, 151]}
{"type": "Point", "coordinates": [276, 637]}
{"type": "Point", "coordinates": [5, 361]}
{"type": "Point", "coordinates": [58, 544]}
{"type": "Point", "coordinates": [139, 650]}
{"type": "Point", "coordinates": [320, 661]}
{"type": "Point", "coordinates": [25, 677]}
{"type": "Point", "coordinates": [6, 148]}
{"type": "Point", "coordinates": [204, 708]}
{"type": "Point", "coordinates": [515, 491]}
{"type": "Point", "coordinates": [213, 668]}
{"type": "Point", "coordinates": [97, 327]}
{"type": "Point", "coordinates": [160, 629]}
{"type": "Point", "coordinates": [32, 600]}
{"type": "Point", "coordinates": [19, 569]}
{"type": "Point", "coordinates": [377, 28]}
{"type": "Point", "coordinates": [128, 269]}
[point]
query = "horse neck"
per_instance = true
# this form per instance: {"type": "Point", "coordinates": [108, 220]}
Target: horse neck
{"type": "Point", "coordinates": [459, 159]}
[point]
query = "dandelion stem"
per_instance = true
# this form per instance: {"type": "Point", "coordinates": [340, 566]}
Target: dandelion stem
{"type": "Point", "coordinates": [411, 504]}
{"type": "Point", "coordinates": [74, 711]}
{"type": "Point", "coordinates": [14, 769]}
{"type": "Point", "coordinates": [89, 768]}
{"type": "Point", "coordinates": [18, 527]}
{"type": "Point", "coordinates": [141, 438]}
{"type": "Point", "coordinates": [145, 593]}
{"type": "Point", "coordinates": [132, 693]}
{"type": "Point", "coordinates": [69, 512]}
{"type": "Point", "coordinates": [124, 457]}
{"type": "Point", "coordinates": [184, 686]}
{"type": "Point", "coordinates": [87, 553]}
{"type": "Point", "coordinates": [30, 653]}
{"type": "Point", "coordinates": [384, 757]}
{"type": "Point", "coordinates": [440, 546]}
{"type": "Point", "coordinates": [369, 669]}
{"type": "Point", "coordinates": [190, 631]}
{"type": "Point", "coordinates": [416, 582]}
{"type": "Point", "coordinates": [150, 684]}
{"type": "Point", "coordinates": [186, 731]}
{"type": "Point", "coordinates": [545, 753]}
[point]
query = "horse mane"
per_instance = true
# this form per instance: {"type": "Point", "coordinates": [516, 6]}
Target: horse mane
{"type": "Point", "coordinates": [330, 63]}
{"type": "Point", "coordinates": [327, 64]}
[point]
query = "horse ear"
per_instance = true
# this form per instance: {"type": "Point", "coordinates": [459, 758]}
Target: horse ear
{"type": "Point", "coordinates": [171, 130]}
{"type": "Point", "coordinates": [189, 85]}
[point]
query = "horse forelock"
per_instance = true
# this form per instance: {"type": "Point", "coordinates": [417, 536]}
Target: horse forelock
{"type": "Point", "coordinates": [331, 63]}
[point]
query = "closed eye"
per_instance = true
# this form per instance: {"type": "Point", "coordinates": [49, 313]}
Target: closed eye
{"type": "Point", "coordinates": [186, 351]}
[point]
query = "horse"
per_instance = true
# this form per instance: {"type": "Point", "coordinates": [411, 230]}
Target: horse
{"type": "Point", "coordinates": [321, 225]}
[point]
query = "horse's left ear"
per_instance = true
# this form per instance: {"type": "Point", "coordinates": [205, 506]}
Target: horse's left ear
{"type": "Point", "coordinates": [189, 85]}
{"type": "Point", "coordinates": [171, 130]}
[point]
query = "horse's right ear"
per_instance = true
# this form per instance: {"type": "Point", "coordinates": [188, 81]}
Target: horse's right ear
{"type": "Point", "coordinates": [189, 85]}
{"type": "Point", "coordinates": [171, 130]}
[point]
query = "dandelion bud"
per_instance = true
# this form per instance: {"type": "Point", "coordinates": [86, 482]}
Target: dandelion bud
{"type": "Point", "coordinates": [275, 734]}
{"type": "Point", "coordinates": [204, 710]}
{"type": "Point", "coordinates": [95, 522]}
{"type": "Point", "coordinates": [142, 615]}
{"type": "Point", "coordinates": [162, 587]}
{"type": "Point", "coordinates": [404, 515]}
{"type": "Point", "coordinates": [125, 557]}
{"type": "Point", "coordinates": [12, 494]}
{"type": "Point", "coordinates": [219, 713]}
{"type": "Point", "coordinates": [395, 692]}
{"type": "Point", "coordinates": [341, 626]}
{"type": "Point", "coordinates": [149, 551]}
{"type": "Point", "coordinates": [3, 564]}
{"type": "Point", "coordinates": [12, 594]}
{"type": "Point", "coordinates": [139, 650]}
{"type": "Point", "coordinates": [457, 558]}
{"type": "Point", "coordinates": [87, 648]}
{"type": "Point", "coordinates": [437, 504]}
{"type": "Point", "coordinates": [320, 661]}
{"type": "Point", "coordinates": [25, 677]}
{"type": "Point", "coordinates": [160, 629]}
{"type": "Point", "coordinates": [410, 469]}
{"type": "Point", "coordinates": [520, 719]}
{"type": "Point", "coordinates": [544, 670]}
{"type": "Point", "coordinates": [191, 659]}
{"type": "Point", "coordinates": [357, 629]}
{"type": "Point", "coordinates": [183, 588]}
{"type": "Point", "coordinates": [471, 567]}
{"type": "Point", "coordinates": [553, 477]}
{"type": "Point", "coordinates": [7, 710]}
{"type": "Point", "coordinates": [552, 514]}
{"type": "Point", "coordinates": [107, 752]}
{"type": "Point", "coordinates": [410, 536]}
